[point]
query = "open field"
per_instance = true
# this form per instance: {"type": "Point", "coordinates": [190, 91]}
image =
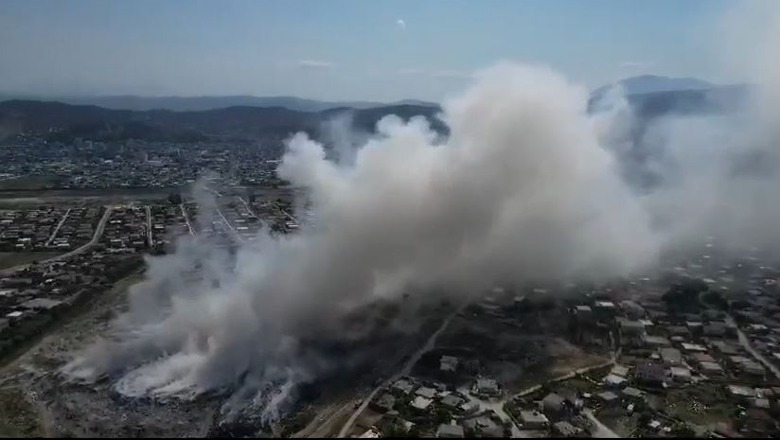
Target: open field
{"type": "Point", "coordinates": [20, 198]}
{"type": "Point", "coordinates": [617, 420]}
{"type": "Point", "coordinates": [18, 417]}
{"type": "Point", "coordinates": [20, 412]}
{"type": "Point", "coordinates": [29, 183]}
{"type": "Point", "coordinates": [11, 259]}
{"type": "Point", "coordinates": [704, 405]}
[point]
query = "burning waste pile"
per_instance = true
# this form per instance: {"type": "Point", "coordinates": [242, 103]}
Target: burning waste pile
{"type": "Point", "coordinates": [526, 186]}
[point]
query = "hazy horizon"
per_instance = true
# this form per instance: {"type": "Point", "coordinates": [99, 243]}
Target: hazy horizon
{"type": "Point", "coordinates": [363, 51]}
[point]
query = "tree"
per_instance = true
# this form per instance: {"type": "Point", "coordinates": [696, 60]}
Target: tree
{"type": "Point", "coordinates": [175, 198]}
{"type": "Point", "coordinates": [683, 430]}
{"type": "Point", "coordinates": [684, 296]}
{"type": "Point", "coordinates": [715, 299]}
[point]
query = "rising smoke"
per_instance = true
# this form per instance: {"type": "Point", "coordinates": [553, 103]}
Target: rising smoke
{"type": "Point", "coordinates": [527, 186]}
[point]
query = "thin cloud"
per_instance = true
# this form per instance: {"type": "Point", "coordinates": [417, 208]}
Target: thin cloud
{"type": "Point", "coordinates": [630, 65]}
{"type": "Point", "coordinates": [401, 24]}
{"type": "Point", "coordinates": [315, 65]}
{"type": "Point", "coordinates": [439, 74]}
{"type": "Point", "coordinates": [452, 74]}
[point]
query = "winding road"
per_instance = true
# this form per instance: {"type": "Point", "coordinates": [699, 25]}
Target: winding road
{"type": "Point", "coordinates": [95, 238]}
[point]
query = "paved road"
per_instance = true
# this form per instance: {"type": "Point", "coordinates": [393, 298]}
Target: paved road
{"type": "Point", "coordinates": [404, 371]}
{"type": "Point", "coordinates": [497, 406]}
{"type": "Point", "coordinates": [57, 229]}
{"type": "Point", "coordinates": [569, 375]}
{"type": "Point", "coordinates": [746, 344]}
{"type": "Point", "coordinates": [149, 238]}
{"type": "Point", "coordinates": [602, 431]}
{"type": "Point", "coordinates": [95, 238]}
{"type": "Point", "coordinates": [318, 424]}
{"type": "Point", "coordinates": [289, 216]}
{"type": "Point", "coordinates": [232, 229]}
{"type": "Point", "coordinates": [252, 213]}
{"type": "Point", "coordinates": [186, 219]}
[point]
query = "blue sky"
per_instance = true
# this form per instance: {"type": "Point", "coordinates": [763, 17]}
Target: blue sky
{"type": "Point", "coordinates": [340, 49]}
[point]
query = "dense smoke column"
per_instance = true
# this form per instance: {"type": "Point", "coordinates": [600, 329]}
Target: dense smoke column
{"type": "Point", "coordinates": [526, 187]}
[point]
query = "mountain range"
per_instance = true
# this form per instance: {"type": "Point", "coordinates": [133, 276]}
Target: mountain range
{"type": "Point", "coordinates": [180, 118]}
{"type": "Point", "coordinates": [638, 85]}
{"type": "Point", "coordinates": [201, 103]}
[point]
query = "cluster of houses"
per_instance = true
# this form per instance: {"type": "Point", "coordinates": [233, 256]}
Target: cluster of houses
{"type": "Point", "coordinates": [148, 164]}
{"type": "Point", "coordinates": [47, 228]}
{"type": "Point", "coordinates": [167, 222]}
{"type": "Point", "coordinates": [418, 407]}
{"type": "Point", "coordinates": [32, 297]}
{"type": "Point", "coordinates": [663, 350]}
{"type": "Point", "coordinates": [126, 230]}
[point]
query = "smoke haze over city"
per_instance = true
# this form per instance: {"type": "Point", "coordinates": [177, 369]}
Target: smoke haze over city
{"type": "Point", "coordinates": [527, 185]}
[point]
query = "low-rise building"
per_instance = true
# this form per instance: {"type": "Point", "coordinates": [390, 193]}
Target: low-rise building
{"type": "Point", "coordinates": [651, 374]}
{"type": "Point", "coordinates": [608, 397]}
{"type": "Point", "coordinates": [487, 387]}
{"type": "Point", "coordinates": [428, 393]}
{"type": "Point", "coordinates": [711, 369]}
{"type": "Point", "coordinates": [534, 420]}
{"type": "Point", "coordinates": [447, 430]}
{"type": "Point", "coordinates": [566, 429]}
{"type": "Point", "coordinates": [421, 403]}
{"type": "Point", "coordinates": [671, 356]}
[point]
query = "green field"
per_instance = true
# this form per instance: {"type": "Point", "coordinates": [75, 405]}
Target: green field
{"type": "Point", "coordinates": [30, 182]}
{"type": "Point", "coordinates": [11, 259]}
{"type": "Point", "coordinates": [704, 405]}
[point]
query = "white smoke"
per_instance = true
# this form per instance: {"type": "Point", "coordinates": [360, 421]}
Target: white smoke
{"type": "Point", "coordinates": [526, 187]}
{"type": "Point", "coordinates": [521, 190]}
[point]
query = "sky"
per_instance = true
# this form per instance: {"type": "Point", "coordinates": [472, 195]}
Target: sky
{"type": "Point", "coordinates": [377, 50]}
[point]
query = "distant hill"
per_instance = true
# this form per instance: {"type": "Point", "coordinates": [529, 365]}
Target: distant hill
{"type": "Point", "coordinates": [201, 103]}
{"type": "Point", "coordinates": [67, 121]}
{"type": "Point", "coordinates": [653, 95]}
{"type": "Point", "coordinates": [638, 85]}
{"type": "Point", "coordinates": [192, 118]}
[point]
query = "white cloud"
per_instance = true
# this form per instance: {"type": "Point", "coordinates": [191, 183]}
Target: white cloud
{"type": "Point", "coordinates": [401, 24]}
{"type": "Point", "coordinates": [315, 65]}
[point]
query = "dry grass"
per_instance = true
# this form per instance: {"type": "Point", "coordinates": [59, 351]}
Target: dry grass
{"type": "Point", "coordinates": [18, 417]}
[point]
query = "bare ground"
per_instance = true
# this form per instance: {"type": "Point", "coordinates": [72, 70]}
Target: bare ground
{"type": "Point", "coordinates": [36, 401]}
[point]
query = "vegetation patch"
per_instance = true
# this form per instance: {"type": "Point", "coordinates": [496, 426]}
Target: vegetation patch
{"type": "Point", "coordinates": [18, 417]}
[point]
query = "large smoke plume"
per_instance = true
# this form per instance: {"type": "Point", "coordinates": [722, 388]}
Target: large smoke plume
{"type": "Point", "coordinates": [527, 186]}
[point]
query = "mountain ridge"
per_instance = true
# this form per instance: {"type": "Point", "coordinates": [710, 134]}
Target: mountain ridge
{"type": "Point", "coordinates": [643, 84]}
{"type": "Point", "coordinates": [202, 103]}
